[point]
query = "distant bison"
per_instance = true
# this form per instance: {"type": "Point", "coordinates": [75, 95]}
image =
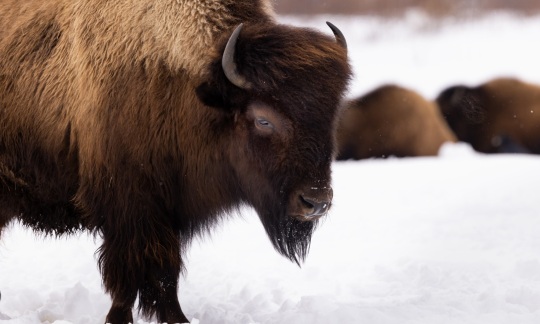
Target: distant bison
{"type": "Point", "coordinates": [146, 121]}
{"type": "Point", "coordinates": [391, 121]}
{"type": "Point", "coordinates": [502, 115]}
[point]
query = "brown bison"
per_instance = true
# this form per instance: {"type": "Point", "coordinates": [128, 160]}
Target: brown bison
{"type": "Point", "coordinates": [146, 121]}
{"type": "Point", "coordinates": [390, 121]}
{"type": "Point", "coordinates": [502, 115]}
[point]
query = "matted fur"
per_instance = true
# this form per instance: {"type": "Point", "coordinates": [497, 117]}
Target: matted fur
{"type": "Point", "coordinates": [391, 121]}
{"type": "Point", "coordinates": [501, 115]}
{"type": "Point", "coordinates": [116, 117]}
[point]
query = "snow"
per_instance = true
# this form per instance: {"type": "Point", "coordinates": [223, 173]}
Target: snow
{"type": "Point", "coordinates": [446, 239]}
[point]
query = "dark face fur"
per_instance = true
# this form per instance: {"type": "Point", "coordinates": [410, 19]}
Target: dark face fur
{"type": "Point", "coordinates": [462, 109]}
{"type": "Point", "coordinates": [283, 125]}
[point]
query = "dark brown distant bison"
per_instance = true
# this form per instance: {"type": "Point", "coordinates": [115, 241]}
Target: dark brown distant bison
{"type": "Point", "coordinates": [502, 115]}
{"type": "Point", "coordinates": [390, 121]}
{"type": "Point", "coordinates": [146, 121]}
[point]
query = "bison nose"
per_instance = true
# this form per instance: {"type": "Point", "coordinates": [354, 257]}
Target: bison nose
{"type": "Point", "coordinates": [313, 207]}
{"type": "Point", "coordinates": [309, 204]}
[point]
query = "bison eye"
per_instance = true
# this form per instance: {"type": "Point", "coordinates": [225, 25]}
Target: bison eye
{"type": "Point", "coordinates": [263, 124]}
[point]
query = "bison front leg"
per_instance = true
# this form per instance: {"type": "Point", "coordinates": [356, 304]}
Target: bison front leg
{"type": "Point", "coordinates": [160, 295]}
{"type": "Point", "coordinates": [120, 277]}
{"type": "Point", "coordinates": [146, 262]}
{"type": "Point", "coordinates": [119, 314]}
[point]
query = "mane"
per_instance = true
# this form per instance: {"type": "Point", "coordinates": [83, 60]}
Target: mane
{"type": "Point", "coordinates": [174, 32]}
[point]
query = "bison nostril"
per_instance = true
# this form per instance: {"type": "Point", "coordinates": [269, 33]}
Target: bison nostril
{"type": "Point", "coordinates": [314, 207]}
{"type": "Point", "coordinates": [306, 202]}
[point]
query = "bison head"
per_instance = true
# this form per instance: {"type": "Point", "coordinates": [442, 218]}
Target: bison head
{"type": "Point", "coordinates": [280, 88]}
{"type": "Point", "coordinates": [462, 109]}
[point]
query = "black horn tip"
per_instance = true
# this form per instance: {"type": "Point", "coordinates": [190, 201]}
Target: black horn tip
{"type": "Point", "coordinates": [338, 34]}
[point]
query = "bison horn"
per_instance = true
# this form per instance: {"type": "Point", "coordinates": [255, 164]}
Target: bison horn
{"type": "Point", "coordinates": [339, 35]}
{"type": "Point", "coordinates": [228, 64]}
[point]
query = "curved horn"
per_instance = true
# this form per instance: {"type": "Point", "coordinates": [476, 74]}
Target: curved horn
{"type": "Point", "coordinates": [228, 64]}
{"type": "Point", "coordinates": [339, 35]}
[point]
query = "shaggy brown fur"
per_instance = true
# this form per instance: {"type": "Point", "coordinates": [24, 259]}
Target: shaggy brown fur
{"type": "Point", "coordinates": [116, 117]}
{"type": "Point", "coordinates": [391, 121]}
{"type": "Point", "coordinates": [502, 115]}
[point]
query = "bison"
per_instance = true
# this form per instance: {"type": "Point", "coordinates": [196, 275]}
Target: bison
{"type": "Point", "coordinates": [390, 121]}
{"type": "Point", "coordinates": [499, 116]}
{"type": "Point", "coordinates": [144, 122]}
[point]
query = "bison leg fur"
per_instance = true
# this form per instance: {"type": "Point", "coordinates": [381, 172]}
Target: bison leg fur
{"type": "Point", "coordinates": [119, 314]}
{"type": "Point", "coordinates": [120, 280]}
{"type": "Point", "coordinates": [160, 295]}
{"type": "Point", "coordinates": [147, 264]}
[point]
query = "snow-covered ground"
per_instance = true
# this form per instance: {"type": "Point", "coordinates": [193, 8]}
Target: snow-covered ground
{"type": "Point", "coordinates": [447, 239]}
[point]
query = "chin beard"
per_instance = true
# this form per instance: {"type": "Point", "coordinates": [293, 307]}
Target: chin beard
{"type": "Point", "coordinates": [289, 236]}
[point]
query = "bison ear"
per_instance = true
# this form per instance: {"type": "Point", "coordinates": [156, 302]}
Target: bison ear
{"type": "Point", "coordinates": [221, 96]}
{"type": "Point", "coordinates": [211, 96]}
